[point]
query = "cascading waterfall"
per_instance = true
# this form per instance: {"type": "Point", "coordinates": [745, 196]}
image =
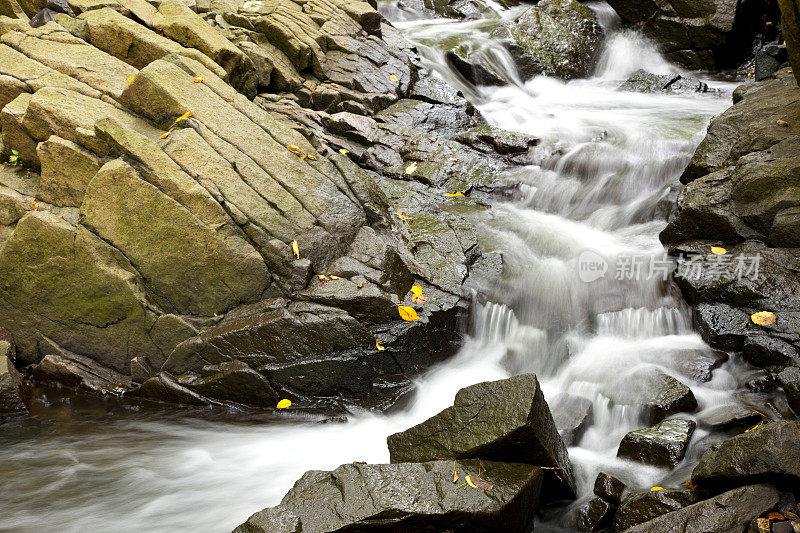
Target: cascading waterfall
{"type": "Point", "coordinates": [598, 183]}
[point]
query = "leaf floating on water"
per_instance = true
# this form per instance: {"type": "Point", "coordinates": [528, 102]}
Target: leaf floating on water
{"type": "Point", "coordinates": [654, 489]}
{"type": "Point", "coordinates": [782, 123]}
{"type": "Point", "coordinates": [344, 151]}
{"type": "Point", "coordinates": [718, 250]}
{"type": "Point", "coordinates": [379, 346]}
{"type": "Point", "coordinates": [469, 481]}
{"type": "Point", "coordinates": [393, 78]}
{"type": "Point", "coordinates": [409, 314]}
{"type": "Point", "coordinates": [763, 318]}
{"type": "Point", "coordinates": [296, 249]}
{"type": "Point", "coordinates": [402, 216]}
{"type": "Point", "coordinates": [455, 194]}
{"type": "Point", "coordinates": [410, 168]}
{"type": "Point", "coordinates": [283, 404]}
{"type": "Point", "coordinates": [199, 80]}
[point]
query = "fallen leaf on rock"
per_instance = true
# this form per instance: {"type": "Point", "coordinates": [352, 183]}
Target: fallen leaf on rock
{"type": "Point", "coordinates": [283, 404]}
{"type": "Point", "coordinates": [482, 483]}
{"type": "Point", "coordinates": [402, 216]}
{"type": "Point", "coordinates": [453, 159]}
{"type": "Point", "coordinates": [417, 289]}
{"type": "Point", "coordinates": [416, 294]}
{"type": "Point", "coordinates": [344, 151]}
{"type": "Point", "coordinates": [35, 205]}
{"type": "Point", "coordinates": [360, 285]}
{"type": "Point", "coordinates": [199, 80]}
{"type": "Point", "coordinates": [753, 428]}
{"type": "Point", "coordinates": [323, 278]}
{"type": "Point", "coordinates": [165, 135]}
{"type": "Point", "coordinates": [455, 476]}
{"type": "Point", "coordinates": [333, 277]}
{"type": "Point", "coordinates": [408, 314]}
{"type": "Point", "coordinates": [718, 250]}
{"type": "Point", "coordinates": [774, 516]}
{"type": "Point", "coordinates": [311, 157]}
{"type": "Point", "coordinates": [185, 115]}
{"type": "Point", "coordinates": [379, 346]}
{"type": "Point", "coordinates": [130, 80]}
{"type": "Point", "coordinates": [762, 525]}
{"type": "Point", "coordinates": [454, 194]}
{"type": "Point", "coordinates": [411, 168]}
{"type": "Point", "coordinates": [296, 249]}
{"type": "Point", "coordinates": [782, 123]}
{"type": "Point", "coordinates": [469, 481]}
{"type": "Point", "coordinates": [295, 150]}
{"type": "Point", "coordinates": [763, 318]}
{"type": "Point", "coordinates": [654, 489]}
{"type": "Point", "coordinates": [419, 299]}
{"type": "Point", "coordinates": [393, 78]}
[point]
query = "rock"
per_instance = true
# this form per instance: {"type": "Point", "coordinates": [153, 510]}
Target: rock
{"type": "Point", "coordinates": [10, 394]}
{"type": "Point", "coordinates": [642, 81]}
{"type": "Point", "coordinates": [760, 381]}
{"type": "Point", "coordinates": [559, 38]}
{"type": "Point", "coordinates": [405, 497]}
{"type": "Point", "coordinates": [504, 420]}
{"type": "Point", "coordinates": [66, 171]}
{"type": "Point", "coordinates": [76, 371]}
{"type": "Point", "coordinates": [593, 515]}
{"type": "Point", "coordinates": [716, 34]}
{"type": "Point", "coordinates": [769, 453]}
{"type": "Point", "coordinates": [48, 13]}
{"type": "Point", "coordinates": [764, 351]}
{"type": "Point", "coordinates": [658, 395]}
{"type": "Point", "coordinates": [571, 415]}
{"type": "Point", "coordinates": [661, 445]}
{"type": "Point", "coordinates": [698, 365]}
{"type": "Point", "coordinates": [790, 28]}
{"type": "Point", "coordinates": [769, 60]}
{"type": "Point", "coordinates": [789, 379]}
{"type": "Point", "coordinates": [641, 507]}
{"type": "Point", "coordinates": [609, 488]}
{"type": "Point", "coordinates": [728, 512]}
{"type": "Point", "coordinates": [473, 72]}
{"type": "Point", "coordinates": [730, 416]}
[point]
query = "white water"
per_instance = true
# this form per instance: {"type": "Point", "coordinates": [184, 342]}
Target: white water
{"type": "Point", "coordinates": [617, 155]}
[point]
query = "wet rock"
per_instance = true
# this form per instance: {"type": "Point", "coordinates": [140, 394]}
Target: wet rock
{"type": "Point", "coordinates": [593, 515]}
{"type": "Point", "coordinates": [405, 497]}
{"type": "Point", "coordinates": [769, 453]}
{"type": "Point", "coordinates": [764, 351]}
{"type": "Point", "coordinates": [642, 81]}
{"type": "Point", "coordinates": [789, 379]}
{"type": "Point", "coordinates": [659, 395]}
{"type": "Point", "coordinates": [571, 415]}
{"type": "Point", "coordinates": [790, 28]}
{"type": "Point", "coordinates": [722, 326]}
{"type": "Point", "coordinates": [232, 381]}
{"type": "Point", "coordinates": [769, 60]}
{"type": "Point", "coordinates": [504, 420]}
{"type": "Point", "coordinates": [609, 488]}
{"type": "Point", "coordinates": [472, 71]}
{"type": "Point", "coordinates": [491, 139]}
{"type": "Point", "coordinates": [730, 511]}
{"type": "Point", "coordinates": [559, 38]}
{"type": "Point", "coordinates": [77, 371]}
{"type": "Point", "coordinates": [698, 365]}
{"type": "Point", "coordinates": [164, 388]}
{"type": "Point", "coordinates": [760, 381]}
{"type": "Point", "coordinates": [730, 416]}
{"type": "Point", "coordinates": [641, 507]}
{"type": "Point", "coordinates": [661, 445]}
{"type": "Point", "coordinates": [10, 395]}
{"type": "Point", "coordinates": [715, 34]}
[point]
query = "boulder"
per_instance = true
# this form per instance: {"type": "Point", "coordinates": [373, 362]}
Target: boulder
{"type": "Point", "coordinates": [789, 379]}
{"type": "Point", "coordinates": [76, 371]}
{"type": "Point", "coordinates": [559, 38]}
{"type": "Point", "coordinates": [715, 34]}
{"type": "Point", "coordinates": [595, 514]}
{"type": "Point", "coordinates": [656, 393]}
{"type": "Point", "coordinates": [641, 507]}
{"type": "Point", "coordinates": [609, 488]}
{"type": "Point", "coordinates": [505, 420]}
{"type": "Point", "coordinates": [769, 60]}
{"type": "Point", "coordinates": [66, 170]}
{"type": "Point", "coordinates": [790, 28]}
{"type": "Point", "coordinates": [661, 445]}
{"type": "Point", "coordinates": [728, 512]}
{"type": "Point", "coordinates": [406, 497]}
{"type": "Point", "coordinates": [727, 417]}
{"type": "Point", "coordinates": [770, 452]}
{"type": "Point", "coordinates": [10, 394]}
{"type": "Point", "coordinates": [642, 81]}
{"type": "Point", "coordinates": [571, 414]}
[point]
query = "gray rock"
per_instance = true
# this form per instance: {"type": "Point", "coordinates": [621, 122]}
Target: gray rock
{"type": "Point", "coordinates": [505, 420]}
{"type": "Point", "coordinates": [769, 60]}
{"type": "Point", "coordinates": [789, 379]}
{"type": "Point", "coordinates": [764, 350]}
{"type": "Point", "coordinates": [77, 371]}
{"type": "Point", "coordinates": [658, 394]}
{"type": "Point", "coordinates": [571, 415]}
{"type": "Point", "coordinates": [609, 488]}
{"type": "Point", "coordinates": [769, 453]}
{"type": "Point", "coordinates": [661, 445]}
{"type": "Point", "coordinates": [10, 394]}
{"type": "Point", "coordinates": [730, 416]}
{"type": "Point", "coordinates": [642, 81]}
{"type": "Point", "coordinates": [592, 515]}
{"type": "Point", "coordinates": [642, 507]}
{"type": "Point", "coordinates": [406, 497]}
{"type": "Point", "coordinates": [727, 513]}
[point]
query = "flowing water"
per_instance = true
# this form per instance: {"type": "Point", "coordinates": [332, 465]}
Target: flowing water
{"type": "Point", "coordinates": [596, 192]}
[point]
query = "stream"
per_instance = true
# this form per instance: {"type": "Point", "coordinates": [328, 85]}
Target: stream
{"type": "Point", "coordinates": [597, 192]}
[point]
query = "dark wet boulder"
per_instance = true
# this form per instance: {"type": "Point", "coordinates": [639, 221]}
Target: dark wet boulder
{"type": "Point", "coordinates": [572, 414]}
{"type": "Point", "coordinates": [661, 445]}
{"type": "Point", "coordinates": [609, 488]}
{"type": "Point", "coordinates": [641, 507]}
{"type": "Point", "coordinates": [721, 325]}
{"type": "Point", "coordinates": [770, 452]}
{"type": "Point", "coordinates": [470, 68]}
{"type": "Point", "coordinates": [402, 497]}
{"type": "Point", "coordinates": [726, 513]}
{"type": "Point", "coordinates": [789, 379]}
{"type": "Point", "coordinates": [594, 514]}
{"type": "Point", "coordinates": [505, 420]}
{"type": "Point", "coordinates": [706, 35]}
{"type": "Point", "coordinates": [658, 394]}
{"type": "Point", "coordinates": [698, 365]}
{"type": "Point", "coordinates": [764, 350]}
{"type": "Point", "coordinates": [559, 38]}
{"type": "Point", "coordinates": [642, 81]}
{"type": "Point", "coordinates": [769, 60]}
{"type": "Point", "coordinates": [10, 393]}
{"type": "Point", "coordinates": [727, 417]}
{"type": "Point", "coordinates": [77, 371]}
{"type": "Point", "coordinates": [790, 27]}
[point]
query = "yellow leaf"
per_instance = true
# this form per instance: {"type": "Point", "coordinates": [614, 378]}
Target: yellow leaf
{"type": "Point", "coordinates": [453, 159]}
{"type": "Point", "coordinates": [393, 78]}
{"type": "Point", "coordinates": [296, 249]}
{"type": "Point", "coordinates": [782, 123]}
{"type": "Point", "coordinates": [185, 115]}
{"type": "Point", "coordinates": [322, 278]}
{"type": "Point", "coordinates": [654, 489]}
{"type": "Point", "coordinates": [379, 346]}
{"type": "Point", "coordinates": [130, 80]}
{"type": "Point", "coordinates": [457, 193]}
{"type": "Point", "coordinates": [361, 285]}
{"type": "Point", "coordinates": [753, 428]}
{"type": "Point", "coordinates": [418, 299]}
{"type": "Point", "coordinates": [283, 404]}
{"type": "Point", "coordinates": [411, 168]}
{"type": "Point", "coordinates": [311, 157]}
{"type": "Point", "coordinates": [402, 216]}
{"type": "Point", "coordinates": [344, 151]}
{"type": "Point", "coordinates": [468, 479]}
{"type": "Point", "coordinates": [334, 277]}
{"type": "Point", "coordinates": [718, 250]}
{"type": "Point", "coordinates": [165, 135]}
{"type": "Point", "coordinates": [407, 313]}
{"type": "Point", "coordinates": [763, 318]}
{"type": "Point", "coordinates": [455, 476]}
{"type": "Point", "coordinates": [295, 150]}
{"type": "Point", "coordinates": [199, 80]}
{"type": "Point", "coordinates": [417, 289]}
